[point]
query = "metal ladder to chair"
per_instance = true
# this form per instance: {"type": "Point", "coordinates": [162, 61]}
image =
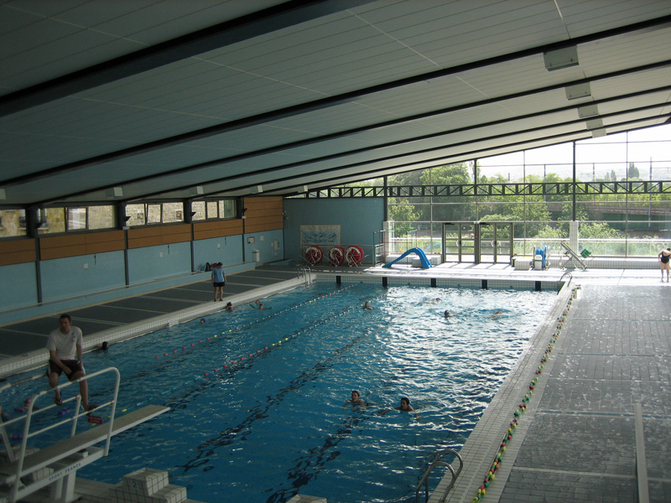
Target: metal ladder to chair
{"type": "Point", "coordinates": [437, 461]}
{"type": "Point", "coordinates": [568, 252]}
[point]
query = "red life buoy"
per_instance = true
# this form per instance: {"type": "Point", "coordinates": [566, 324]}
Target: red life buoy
{"type": "Point", "coordinates": [337, 255]}
{"type": "Point", "coordinates": [354, 255]}
{"type": "Point", "coordinates": [314, 254]}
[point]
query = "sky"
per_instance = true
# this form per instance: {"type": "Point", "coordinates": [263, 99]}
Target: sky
{"type": "Point", "coordinates": [648, 149]}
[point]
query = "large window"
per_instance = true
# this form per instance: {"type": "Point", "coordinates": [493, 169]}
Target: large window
{"type": "Point", "coordinates": [12, 223]}
{"type": "Point", "coordinates": [214, 209]}
{"type": "Point", "coordinates": [154, 213]}
{"type": "Point", "coordinates": [615, 218]}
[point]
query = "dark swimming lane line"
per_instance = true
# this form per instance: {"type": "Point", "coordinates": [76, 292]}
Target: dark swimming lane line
{"type": "Point", "coordinates": [227, 436]}
{"type": "Point", "coordinates": [227, 372]}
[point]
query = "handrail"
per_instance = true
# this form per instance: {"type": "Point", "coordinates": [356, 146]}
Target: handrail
{"type": "Point", "coordinates": [570, 277]}
{"type": "Point", "coordinates": [437, 461]}
{"type": "Point", "coordinates": [306, 272]}
{"type": "Point", "coordinates": [20, 458]}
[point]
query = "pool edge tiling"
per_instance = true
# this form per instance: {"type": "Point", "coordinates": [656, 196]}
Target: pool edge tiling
{"type": "Point", "coordinates": [481, 447]}
{"type": "Point", "coordinates": [385, 280]}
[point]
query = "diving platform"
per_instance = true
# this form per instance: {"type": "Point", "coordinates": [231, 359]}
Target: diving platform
{"type": "Point", "coordinates": [25, 470]}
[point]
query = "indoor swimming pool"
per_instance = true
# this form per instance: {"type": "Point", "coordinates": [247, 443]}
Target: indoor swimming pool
{"type": "Point", "coordinates": [257, 396]}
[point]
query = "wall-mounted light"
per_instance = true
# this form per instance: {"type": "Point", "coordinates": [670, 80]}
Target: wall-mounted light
{"type": "Point", "coordinates": [561, 58]}
{"type": "Point", "coordinates": [196, 191]}
{"type": "Point", "coordinates": [588, 111]}
{"type": "Point", "coordinates": [257, 190]}
{"type": "Point", "coordinates": [114, 192]}
{"type": "Point", "coordinates": [594, 124]}
{"type": "Point", "coordinates": [578, 91]}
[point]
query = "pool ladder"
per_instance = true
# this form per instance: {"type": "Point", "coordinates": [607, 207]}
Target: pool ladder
{"type": "Point", "coordinates": [306, 273]}
{"type": "Point", "coordinates": [438, 461]}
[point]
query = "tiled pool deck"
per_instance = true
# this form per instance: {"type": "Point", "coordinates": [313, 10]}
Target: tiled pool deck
{"type": "Point", "coordinates": [580, 436]}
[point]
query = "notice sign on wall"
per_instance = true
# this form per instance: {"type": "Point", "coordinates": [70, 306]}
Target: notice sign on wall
{"type": "Point", "coordinates": [322, 235]}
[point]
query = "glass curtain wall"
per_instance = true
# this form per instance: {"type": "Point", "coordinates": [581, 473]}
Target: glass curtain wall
{"type": "Point", "coordinates": [612, 222]}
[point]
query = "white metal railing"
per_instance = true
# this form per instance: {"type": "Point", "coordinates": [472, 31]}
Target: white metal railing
{"type": "Point", "coordinates": [18, 459]}
{"type": "Point", "coordinates": [437, 461]}
{"type": "Point", "coordinates": [306, 274]}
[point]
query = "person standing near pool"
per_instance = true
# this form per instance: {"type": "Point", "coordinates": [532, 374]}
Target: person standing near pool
{"type": "Point", "coordinates": [218, 281]}
{"type": "Point", "coordinates": [405, 407]}
{"type": "Point", "coordinates": [63, 343]}
{"type": "Point", "coordinates": [663, 258]}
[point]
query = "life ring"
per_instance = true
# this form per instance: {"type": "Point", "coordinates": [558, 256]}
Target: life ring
{"type": "Point", "coordinates": [314, 254]}
{"type": "Point", "coordinates": [337, 255]}
{"type": "Point", "coordinates": [354, 255]}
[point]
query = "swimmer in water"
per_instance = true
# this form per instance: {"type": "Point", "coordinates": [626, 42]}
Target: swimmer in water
{"type": "Point", "coordinates": [404, 407]}
{"type": "Point", "coordinates": [447, 314]}
{"type": "Point", "coordinates": [355, 401]}
{"type": "Point", "coordinates": [229, 307]}
{"type": "Point", "coordinates": [495, 315]}
{"type": "Point", "coordinates": [366, 305]}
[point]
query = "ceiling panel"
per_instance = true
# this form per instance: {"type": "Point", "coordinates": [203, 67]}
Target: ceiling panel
{"type": "Point", "coordinates": [367, 88]}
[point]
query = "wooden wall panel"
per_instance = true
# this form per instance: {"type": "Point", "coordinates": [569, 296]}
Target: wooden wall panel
{"type": "Point", "coordinates": [264, 214]}
{"type": "Point", "coordinates": [17, 251]}
{"type": "Point", "coordinates": [158, 235]}
{"type": "Point", "coordinates": [215, 229]}
{"type": "Point", "coordinates": [73, 245]}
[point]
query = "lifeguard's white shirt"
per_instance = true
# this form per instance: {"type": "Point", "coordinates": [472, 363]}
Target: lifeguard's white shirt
{"type": "Point", "coordinates": [65, 345]}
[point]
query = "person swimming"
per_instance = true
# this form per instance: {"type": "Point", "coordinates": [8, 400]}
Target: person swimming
{"type": "Point", "coordinates": [367, 306]}
{"type": "Point", "coordinates": [355, 401]}
{"type": "Point", "coordinates": [404, 407]}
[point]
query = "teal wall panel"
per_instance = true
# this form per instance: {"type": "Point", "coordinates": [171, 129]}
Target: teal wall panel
{"type": "Point", "coordinates": [18, 285]}
{"type": "Point", "coordinates": [72, 276]}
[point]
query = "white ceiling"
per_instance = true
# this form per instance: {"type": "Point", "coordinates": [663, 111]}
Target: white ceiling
{"type": "Point", "coordinates": [157, 97]}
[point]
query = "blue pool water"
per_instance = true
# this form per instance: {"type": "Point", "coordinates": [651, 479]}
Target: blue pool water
{"type": "Point", "coordinates": [257, 397]}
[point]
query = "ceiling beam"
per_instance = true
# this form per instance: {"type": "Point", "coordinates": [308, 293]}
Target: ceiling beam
{"type": "Point", "coordinates": [461, 157]}
{"type": "Point", "coordinates": [259, 23]}
{"type": "Point", "coordinates": [326, 102]}
{"type": "Point", "coordinates": [502, 136]}
{"type": "Point", "coordinates": [410, 140]}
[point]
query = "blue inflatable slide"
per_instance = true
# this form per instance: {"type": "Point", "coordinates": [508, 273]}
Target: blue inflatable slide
{"type": "Point", "coordinates": [420, 253]}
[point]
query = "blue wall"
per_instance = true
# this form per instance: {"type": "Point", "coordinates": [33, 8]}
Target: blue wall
{"type": "Point", "coordinates": [153, 262]}
{"type": "Point", "coordinates": [72, 276]}
{"type": "Point", "coordinates": [263, 241]}
{"type": "Point", "coordinates": [359, 219]}
{"type": "Point", "coordinates": [17, 285]}
{"type": "Point", "coordinates": [227, 250]}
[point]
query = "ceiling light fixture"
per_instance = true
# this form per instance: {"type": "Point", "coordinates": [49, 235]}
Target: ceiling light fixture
{"type": "Point", "coordinates": [561, 58]}
{"type": "Point", "coordinates": [578, 91]}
